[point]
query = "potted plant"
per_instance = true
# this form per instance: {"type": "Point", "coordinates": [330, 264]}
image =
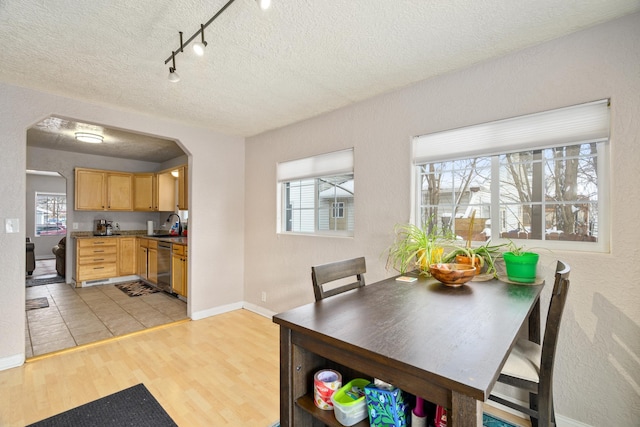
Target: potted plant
{"type": "Point", "coordinates": [415, 248]}
{"type": "Point", "coordinates": [482, 257]}
{"type": "Point", "coordinates": [520, 264]}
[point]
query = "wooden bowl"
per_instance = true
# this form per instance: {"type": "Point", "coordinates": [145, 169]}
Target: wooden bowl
{"type": "Point", "coordinates": [452, 274]}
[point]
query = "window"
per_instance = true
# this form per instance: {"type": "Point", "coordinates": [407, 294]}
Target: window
{"type": "Point", "coordinates": [316, 195]}
{"type": "Point", "coordinates": [551, 192]}
{"type": "Point", "coordinates": [51, 214]}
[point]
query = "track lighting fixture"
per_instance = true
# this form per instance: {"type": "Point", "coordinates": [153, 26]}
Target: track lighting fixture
{"type": "Point", "coordinates": [198, 47]}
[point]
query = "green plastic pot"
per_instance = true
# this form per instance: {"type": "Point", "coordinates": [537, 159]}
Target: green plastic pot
{"type": "Point", "coordinates": [521, 268]}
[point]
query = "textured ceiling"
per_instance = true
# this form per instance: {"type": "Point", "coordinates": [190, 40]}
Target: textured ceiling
{"type": "Point", "coordinates": [264, 70]}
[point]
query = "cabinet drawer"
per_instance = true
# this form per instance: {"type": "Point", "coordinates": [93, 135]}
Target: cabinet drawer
{"type": "Point", "coordinates": [178, 249]}
{"type": "Point", "coordinates": [153, 244]}
{"type": "Point", "coordinates": [89, 243]}
{"type": "Point", "coordinates": [97, 259]}
{"type": "Point", "coordinates": [97, 250]}
{"type": "Point", "coordinates": [144, 243]}
{"type": "Point", "coordinates": [96, 271]}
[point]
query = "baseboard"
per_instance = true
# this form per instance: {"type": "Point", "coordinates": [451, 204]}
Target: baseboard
{"type": "Point", "coordinates": [215, 311]}
{"type": "Point", "coordinates": [258, 310]}
{"type": "Point", "coordinates": [11, 361]}
{"type": "Point", "coordinates": [561, 421]}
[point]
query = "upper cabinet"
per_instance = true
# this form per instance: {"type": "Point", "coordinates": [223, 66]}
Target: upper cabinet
{"type": "Point", "coordinates": [183, 188]}
{"type": "Point", "coordinates": [144, 192]}
{"type": "Point", "coordinates": [98, 190]}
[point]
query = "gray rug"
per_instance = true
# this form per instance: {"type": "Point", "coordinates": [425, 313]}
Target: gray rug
{"type": "Point", "coordinates": [44, 281]}
{"type": "Point", "coordinates": [134, 406]}
{"type": "Point", "coordinates": [34, 303]}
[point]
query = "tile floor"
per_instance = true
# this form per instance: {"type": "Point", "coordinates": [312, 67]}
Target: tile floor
{"type": "Point", "coordinates": [78, 316]}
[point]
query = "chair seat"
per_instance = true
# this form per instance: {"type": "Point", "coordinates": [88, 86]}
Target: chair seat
{"type": "Point", "coordinates": [524, 361]}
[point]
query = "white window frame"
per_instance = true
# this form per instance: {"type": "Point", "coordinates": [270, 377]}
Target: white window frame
{"type": "Point", "coordinates": [567, 126]}
{"type": "Point", "coordinates": [315, 167]}
{"type": "Point", "coordinates": [39, 194]}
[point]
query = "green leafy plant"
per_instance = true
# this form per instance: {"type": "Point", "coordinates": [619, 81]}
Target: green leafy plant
{"type": "Point", "coordinates": [415, 248]}
{"type": "Point", "coordinates": [485, 255]}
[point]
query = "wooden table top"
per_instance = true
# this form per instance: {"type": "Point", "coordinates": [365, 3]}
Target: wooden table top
{"type": "Point", "coordinates": [457, 338]}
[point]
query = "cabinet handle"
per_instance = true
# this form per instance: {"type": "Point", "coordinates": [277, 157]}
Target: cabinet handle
{"type": "Point", "coordinates": [98, 268]}
{"type": "Point", "coordinates": [98, 252]}
{"type": "Point", "coordinates": [98, 259]}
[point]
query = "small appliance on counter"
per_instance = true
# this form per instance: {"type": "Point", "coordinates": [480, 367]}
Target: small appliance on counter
{"type": "Point", "coordinates": [102, 228]}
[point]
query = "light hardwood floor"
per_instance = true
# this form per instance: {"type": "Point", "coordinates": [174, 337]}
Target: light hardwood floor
{"type": "Point", "coordinates": [218, 371]}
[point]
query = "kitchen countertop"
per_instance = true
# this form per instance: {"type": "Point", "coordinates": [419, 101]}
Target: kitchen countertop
{"type": "Point", "coordinates": [88, 235]}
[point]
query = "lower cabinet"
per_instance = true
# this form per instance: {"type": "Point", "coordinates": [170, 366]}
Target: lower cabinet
{"type": "Point", "coordinates": [179, 255]}
{"type": "Point", "coordinates": [143, 249]}
{"type": "Point", "coordinates": [96, 258]}
{"type": "Point", "coordinates": [127, 259]}
{"type": "Point", "coordinates": [152, 262]}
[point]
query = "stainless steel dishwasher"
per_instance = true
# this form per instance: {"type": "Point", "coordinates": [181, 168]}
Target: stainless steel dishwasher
{"type": "Point", "coordinates": [164, 266]}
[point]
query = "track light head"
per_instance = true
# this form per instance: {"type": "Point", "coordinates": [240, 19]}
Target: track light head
{"type": "Point", "coordinates": [173, 76]}
{"type": "Point", "coordinates": [264, 4]}
{"type": "Point", "coordinates": [198, 47]}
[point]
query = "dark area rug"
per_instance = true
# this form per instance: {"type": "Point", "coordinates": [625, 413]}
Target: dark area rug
{"type": "Point", "coordinates": [44, 281]}
{"type": "Point", "coordinates": [34, 303]}
{"type": "Point", "coordinates": [133, 406]}
{"type": "Point", "coordinates": [137, 288]}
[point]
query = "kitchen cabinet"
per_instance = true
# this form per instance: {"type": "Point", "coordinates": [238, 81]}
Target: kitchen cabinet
{"type": "Point", "coordinates": [166, 192]}
{"type": "Point", "coordinates": [144, 192]}
{"type": "Point", "coordinates": [143, 250]}
{"type": "Point", "coordinates": [183, 188]}
{"type": "Point", "coordinates": [152, 262]}
{"type": "Point", "coordinates": [98, 190]}
{"type": "Point", "coordinates": [127, 259]}
{"type": "Point", "coordinates": [179, 255]}
{"type": "Point", "coordinates": [96, 258]}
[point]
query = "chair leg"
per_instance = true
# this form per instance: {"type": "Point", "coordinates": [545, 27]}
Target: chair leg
{"type": "Point", "coordinates": [533, 404]}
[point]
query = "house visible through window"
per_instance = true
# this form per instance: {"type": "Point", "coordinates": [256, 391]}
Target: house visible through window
{"type": "Point", "coordinates": [552, 192]}
{"type": "Point", "coordinates": [316, 194]}
{"type": "Point", "coordinates": [51, 214]}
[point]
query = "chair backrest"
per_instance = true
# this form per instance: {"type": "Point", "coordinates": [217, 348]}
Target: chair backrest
{"type": "Point", "coordinates": [552, 328]}
{"type": "Point", "coordinates": [327, 273]}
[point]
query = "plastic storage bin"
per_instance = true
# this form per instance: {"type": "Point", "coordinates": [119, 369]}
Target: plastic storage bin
{"type": "Point", "coordinates": [347, 409]}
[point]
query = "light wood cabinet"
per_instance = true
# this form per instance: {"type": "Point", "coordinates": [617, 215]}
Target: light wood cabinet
{"type": "Point", "coordinates": [166, 192]}
{"type": "Point", "coordinates": [179, 254]}
{"type": "Point", "coordinates": [152, 262]}
{"type": "Point", "coordinates": [97, 190]}
{"type": "Point", "coordinates": [127, 256]}
{"type": "Point", "coordinates": [143, 249]}
{"type": "Point", "coordinates": [144, 192]}
{"type": "Point", "coordinates": [96, 259]}
{"type": "Point", "coordinates": [183, 188]}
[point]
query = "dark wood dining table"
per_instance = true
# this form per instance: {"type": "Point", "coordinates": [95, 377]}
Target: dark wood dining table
{"type": "Point", "coordinates": [444, 344]}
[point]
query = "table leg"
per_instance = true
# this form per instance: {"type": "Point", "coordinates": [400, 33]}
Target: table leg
{"type": "Point", "coordinates": [534, 323]}
{"type": "Point", "coordinates": [286, 380]}
{"type": "Point", "coordinates": [465, 411]}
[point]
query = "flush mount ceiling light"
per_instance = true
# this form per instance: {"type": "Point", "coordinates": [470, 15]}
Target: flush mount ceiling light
{"type": "Point", "coordinates": [198, 47]}
{"type": "Point", "coordinates": [91, 138]}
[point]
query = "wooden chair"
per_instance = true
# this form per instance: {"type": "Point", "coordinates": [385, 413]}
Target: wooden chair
{"type": "Point", "coordinates": [327, 273]}
{"type": "Point", "coordinates": [530, 365]}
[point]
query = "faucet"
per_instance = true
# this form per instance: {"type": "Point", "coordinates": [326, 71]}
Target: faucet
{"type": "Point", "coordinates": [179, 223]}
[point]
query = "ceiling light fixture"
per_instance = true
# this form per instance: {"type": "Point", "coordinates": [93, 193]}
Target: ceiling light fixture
{"type": "Point", "coordinates": [91, 138]}
{"type": "Point", "coordinates": [198, 47]}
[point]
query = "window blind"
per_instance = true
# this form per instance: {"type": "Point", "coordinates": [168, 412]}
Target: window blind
{"type": "Point", "coordinates": [335, 163]}
{"type": "Point", "coordinates": [588, 122]}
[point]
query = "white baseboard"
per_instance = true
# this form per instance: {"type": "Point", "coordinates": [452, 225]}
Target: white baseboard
{"type": "Point", "coordinates": [560, 420]}
{"type": "Point", "coordinates": [216, 310]}
{"type": "Point", "coordinates": [11, 361]}
{"type": "Point", "coordinates": [258, 310]}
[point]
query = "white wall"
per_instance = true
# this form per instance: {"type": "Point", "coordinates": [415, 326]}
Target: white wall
{"type": "Point", "coordinates": [597, 380]}
{"type": "Point", "coordinates": [216, 239]}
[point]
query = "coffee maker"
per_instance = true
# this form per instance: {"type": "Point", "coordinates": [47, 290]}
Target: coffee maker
{"type": "Point", "coordinates": [102, 228]}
